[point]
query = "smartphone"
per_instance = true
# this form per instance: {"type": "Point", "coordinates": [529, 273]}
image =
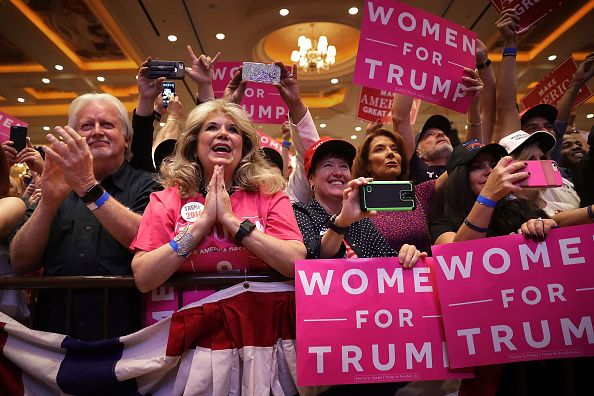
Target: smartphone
{"type": "Point", "coordinates": [173, 70]}
{"type": "Point", "coordinates": [387, 196]}
{"type": "Point", "coordinates": [261, 72]}
{"type": "Point", "coordinates": [18, 135]}
{"type": "Point", "coordinates": [168, 92]}
{"type": "Point", "coordinates": [543, 173]}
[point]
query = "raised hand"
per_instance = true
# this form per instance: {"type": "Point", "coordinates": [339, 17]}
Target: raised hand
{"type": "Point", "coordinates": [235, 89]}
{"type": "Point", "coordinates": [73, 156]}
{"type": "Point", "coordinates": [288, 86]}
{"type": "Point", "coordinates": [503, 179]}
{"type": "Point", "coordinates": [201, 69]}
{"type": "Point", "coordinates": [31, 157]}
{"type": "Point", "coordinates": [351, 207]}
{"type": "Point", "coordinates": [508, 24]}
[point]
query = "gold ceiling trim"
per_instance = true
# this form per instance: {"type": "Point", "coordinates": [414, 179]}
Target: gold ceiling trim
{"type": "Point", "coordinates": [22, 68]}
{"type": "Point", "coordinates": [130, 90]}
{"type": "Point", "coordinates": [62, 46]}
{"type": "Point", "coordinates": [48, 110]}
{"type": "Point", "coordinates": [527, 56]}
{"type": "Point", "coordinates": [45, 95]}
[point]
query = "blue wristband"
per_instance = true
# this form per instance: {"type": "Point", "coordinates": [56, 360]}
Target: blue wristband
{"type": "Point", "coordinates": [486, 201]}
{"type": "Point", "coordinates": [174, 245]}
{"type": "Point", "coordinates": [509, 51]}
{"type": "Point", "coordinates": [99, 202]}
{"type": "Point", "coordinates": [286, 144]}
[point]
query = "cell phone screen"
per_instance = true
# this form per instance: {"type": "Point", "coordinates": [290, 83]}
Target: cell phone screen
{"type": "Point", "coordinates": [168, 92]}
{"type": "Point", "coordinates": [387, 196]}
{"type": "Point", "coordinates": [18, 134]}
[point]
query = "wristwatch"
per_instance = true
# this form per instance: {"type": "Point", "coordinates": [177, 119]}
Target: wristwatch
{"type": "Point", "coordinates": [332, 225]}
{"type": "Point", "coordinates": [93, 194]}
{"type": "Point", "coordinates": [245, 228]}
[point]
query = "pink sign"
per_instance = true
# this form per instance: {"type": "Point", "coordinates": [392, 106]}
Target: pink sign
{"type": "Point", "coordinates": [508, 299]}
{"type": "Point", "coordinates": [368, 320]}
{"type": "Point", "coordinates": [6, 121]}
{"type": "Point", "coordinates": [375, 104]}
{"type": "Point", "coordinates": [529, 11]}
{"type": "Point", "coordinates": [268, 141]}
{"type": "Point", "coordinates": [410, 51]}
{"type": "Point", "coordinates": [261, 101]}
{"type": "Point", "coordinates": [552, 87]}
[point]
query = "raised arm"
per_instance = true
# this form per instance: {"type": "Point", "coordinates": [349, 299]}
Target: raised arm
{"type": "Point", "coordinates": [201, 73]}
{"type": "Point", "coordinates": [584, 72]}
{"type": "Point", "coordinates": [474, 86]}
{"type": "Point", "coordinates": [507, 116]}
{"type": "Point", "coordinates": [487, 100]}
{"type": "Point", "coordinates": [401, 119]}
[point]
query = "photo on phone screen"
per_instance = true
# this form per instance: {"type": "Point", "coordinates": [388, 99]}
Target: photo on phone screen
{"type": "Point", "coordinates": [387, 196]}
{"type": "Point", "coordinates": [18, 134]}
{"type": "Point", "coordinates": [168, 92]}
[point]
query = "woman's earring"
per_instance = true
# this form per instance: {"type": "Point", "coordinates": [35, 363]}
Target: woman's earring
{"type": "Point", "coordinates": [312, 188]}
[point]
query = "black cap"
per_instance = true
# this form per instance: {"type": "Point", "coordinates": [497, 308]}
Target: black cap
{"type": "Point", "coordinates": [546, 111]}
{"type": "Point", "coordinates": [273, 157]}
{"type": "Point", "coordinates": [466, 152]}
{"type": "Point", "coordinates": [435, 121]}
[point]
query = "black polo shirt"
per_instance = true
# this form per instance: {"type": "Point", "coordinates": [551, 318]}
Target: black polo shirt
{"type": "Point", "coordinates": [421, 172]}
{"type": "Point", "coordinates": [79, 245]}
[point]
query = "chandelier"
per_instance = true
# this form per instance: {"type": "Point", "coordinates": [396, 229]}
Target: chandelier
{"type": "Point", "coordinates": [314, 55]}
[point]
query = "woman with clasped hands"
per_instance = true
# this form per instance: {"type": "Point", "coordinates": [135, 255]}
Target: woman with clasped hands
{"type": "Point", "coordinates": [223, 207]}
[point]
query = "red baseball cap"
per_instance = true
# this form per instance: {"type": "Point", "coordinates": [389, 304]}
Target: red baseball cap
{"type": "Point", "coordinates": [328, 145]}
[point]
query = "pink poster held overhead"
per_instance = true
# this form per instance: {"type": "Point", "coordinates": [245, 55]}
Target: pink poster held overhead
{"type": "Point", "coordinates": [368, 320]}
{"type": "Point", "coordinates": [508, 299]}
{"type": "Point", "coordinates": [407, 50]}
{"type": "Point", "coordinates": [261, 101]}
{"type": "Point", "coordinates": [6, 121]}
{"type": "Point", "coordinates": [376, 104]}
{"type": "Point", "coordinates": [551, 87]}
{"type": "Point", "coordinates": [529, 11]}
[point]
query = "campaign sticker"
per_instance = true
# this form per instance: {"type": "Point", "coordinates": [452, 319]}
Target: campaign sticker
{"type": "Point", "coordinates": [191, 211]}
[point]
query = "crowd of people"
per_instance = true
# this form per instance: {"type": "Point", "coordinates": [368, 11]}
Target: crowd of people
{"type": "Point", "coordinates": [108, 196]}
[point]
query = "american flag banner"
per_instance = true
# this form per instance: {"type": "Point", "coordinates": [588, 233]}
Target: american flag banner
{"type": "Point", "coordinates": [239, 341]}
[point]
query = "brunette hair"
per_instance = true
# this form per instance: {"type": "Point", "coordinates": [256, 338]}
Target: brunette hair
{"type": "Point", "coordinates": [4, 175]}
{"type": "Point", "coordinates": [361, 162]}
{"type": "Point", "coordinates": [253, 173]}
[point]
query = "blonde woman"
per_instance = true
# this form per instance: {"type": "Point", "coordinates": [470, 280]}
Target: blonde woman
{"type": "Point", "coordinates": [223, 207]}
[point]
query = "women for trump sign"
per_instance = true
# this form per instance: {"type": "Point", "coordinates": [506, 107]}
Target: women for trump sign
{"type": "Point", "coordinates": [510, 299]}
{"type": "Point", "coordinates": [368, 320]}
{"type": "Point", "coordinates": [410, 51]}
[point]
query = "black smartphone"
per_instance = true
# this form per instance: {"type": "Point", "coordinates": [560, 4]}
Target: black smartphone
{"type": "Point", "coordinates": [168, 92]}
{"type": "Point", "coordinates": [173, 70]}
{"type": "Point", "coordinates": [387, 196]}
{"type": "Point", "coordinates": [18, 134]}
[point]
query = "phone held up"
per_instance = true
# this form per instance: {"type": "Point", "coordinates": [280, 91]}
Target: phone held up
{"type": "Point", "coordinates": [18, 134]}
{"type": "Point", "coordinates": [173, 70]}
{"type": "Point", "coordinates": [543, 173]}
{"type": "Point", "coordinates": [387, 196]}
{"type": "Point", "coordinates": [168, 92]}
{"type": "Point", "coordinates": [261, 72]}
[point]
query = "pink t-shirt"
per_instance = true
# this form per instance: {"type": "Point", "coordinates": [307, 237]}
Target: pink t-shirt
{"type": "Point", "coordinates": [167, 213]}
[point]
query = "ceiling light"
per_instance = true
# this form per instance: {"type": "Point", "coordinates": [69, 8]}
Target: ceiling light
{"type": "Point", "coordinates": [334, 81]}
{"type": "Point", "coordinates": [314, 55]}
{"type": "Point", "coordinates": [21, 100]}
{"type": "Point", "coordinates": [590, 115]}
{"type": "Point", "coordinates": [353, 137]}
{"type": "Point", "coordinates": [358, 129]}
{"type": "Point", "coordinates": [220, 36]}
{"type": "Point", "coordinates": [59, 67]}
{"type": "Point", "coordinates": [100, 78]}
{"type": "Point", "coordinates": [172, 37]}
{"type": "Point", "coordinates": [283, 12]}
{"type": "Point", "coordinates": [46, 128]}
{"type": "Point", "coordinates": [46, 80]}
{"type": "Point", "coordinates": [552, 57]}
{"type": "Point", "coordinates": [353, 10]}
{"type": "Point", "coordinates": [322, 125]}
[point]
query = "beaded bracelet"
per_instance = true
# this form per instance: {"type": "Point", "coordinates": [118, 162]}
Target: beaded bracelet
{"type": "Point", "coordinates": [474, 228]}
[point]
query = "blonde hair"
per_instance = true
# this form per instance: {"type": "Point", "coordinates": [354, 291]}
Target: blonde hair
{"type": "Point", "coordinates": [525, 152]}
{"type": "Point", "coordinates": [253, 173]}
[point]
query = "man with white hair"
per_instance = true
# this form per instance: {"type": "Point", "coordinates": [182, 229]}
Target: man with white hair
{"type": "Point", "coordinates": [89, 212]}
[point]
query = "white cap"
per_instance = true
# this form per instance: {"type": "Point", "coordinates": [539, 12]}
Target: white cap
{"type": "Point", "coordinates": [513, 141]}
